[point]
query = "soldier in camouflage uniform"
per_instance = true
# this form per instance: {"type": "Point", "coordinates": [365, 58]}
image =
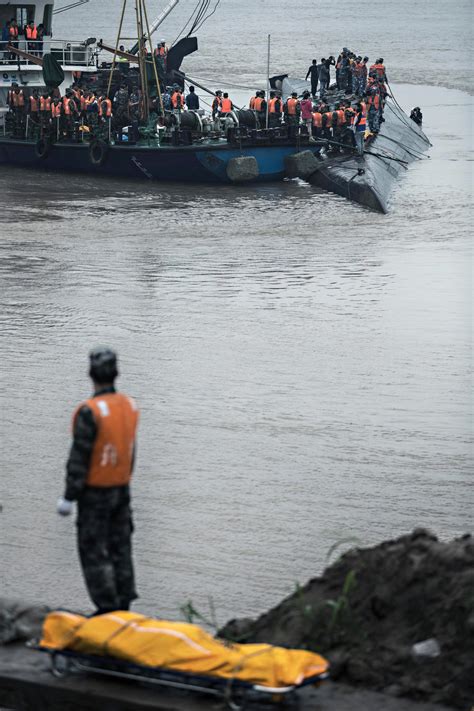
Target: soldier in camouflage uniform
{"type": "Point", "coordinates": [99, 469]}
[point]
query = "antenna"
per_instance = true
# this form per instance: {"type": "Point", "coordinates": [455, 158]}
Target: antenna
{"type": "Point", "coordinates": [70, 6]}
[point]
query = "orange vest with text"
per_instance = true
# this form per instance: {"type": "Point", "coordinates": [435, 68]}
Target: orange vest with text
{"type": "Point", "coordinates": [116, 419]}
{"type": "Point", "coordinates": [226, 106]}
{"type": "Point", "coordinates": [258, 103]}
{"type": "Point", "coordinates": [31, 33]}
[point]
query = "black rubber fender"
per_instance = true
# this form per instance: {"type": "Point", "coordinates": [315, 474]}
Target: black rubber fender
{"type": "Point", "coordinates": [42, 148]}
{"type": "Point", "coordinates": [98, 152]}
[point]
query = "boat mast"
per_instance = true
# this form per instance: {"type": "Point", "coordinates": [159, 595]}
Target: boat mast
{"type": "Point", "coordinates": [116, 48]}
{"type": "Point", "coordinates": [158, 87]}
{"type": "Point", "coordinates": [141, 59]}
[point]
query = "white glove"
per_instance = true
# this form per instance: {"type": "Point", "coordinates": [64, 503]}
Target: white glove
{"type": "Point", "coordinates": [64, 507]}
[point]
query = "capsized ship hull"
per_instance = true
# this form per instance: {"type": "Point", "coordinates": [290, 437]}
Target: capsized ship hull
{"type": "Point", "coordinates": [193, 164]}
{"type": "Point", "coordinates": [400, 139]}
{"type": "Point", "coordinates": [368, 181]}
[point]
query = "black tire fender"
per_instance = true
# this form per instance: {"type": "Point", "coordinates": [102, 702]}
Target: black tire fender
{"type": "Point", "coordinates": [98, 152]}
{"type": "Point", "coordinates": [42, 148]}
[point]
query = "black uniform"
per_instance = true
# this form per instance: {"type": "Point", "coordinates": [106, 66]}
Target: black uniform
{"type": "Point", "coordinates": [313, 73]}
{"type": "Point", "coordinates": [104, 523]}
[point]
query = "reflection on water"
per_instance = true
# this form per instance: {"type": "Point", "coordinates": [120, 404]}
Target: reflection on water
{"type": "Point", "coordinates": [301, 365]}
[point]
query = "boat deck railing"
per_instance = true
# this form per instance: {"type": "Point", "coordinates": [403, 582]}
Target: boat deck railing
{"type": "Point", "coordinates": [66, 52]}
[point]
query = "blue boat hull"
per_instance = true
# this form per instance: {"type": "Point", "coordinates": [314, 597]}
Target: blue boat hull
{"type": "Point", "coordinates": [201, 164]}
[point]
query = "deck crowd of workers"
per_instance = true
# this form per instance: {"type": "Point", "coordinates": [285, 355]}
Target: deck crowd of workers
{"type": "Point", "coordinates": [344, 122]}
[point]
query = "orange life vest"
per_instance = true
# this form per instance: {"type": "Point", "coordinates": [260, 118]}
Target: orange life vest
{"type": "Point", "coordinates": [18, 100]}
{"type": "Point", "coordinates": [56, 110]}
{"type": "Point", "coordinates": [292, 105]}
{"type": "Point", "coordinates": [34, 105]}
{"type": "Point", "coordinates": [226, 106]}
{"type": "Point", "coordinates": [161, 52]}
{"type": "Point", "coordinates": [31, 33]}
{"type": "Point", "coordinates": [379, 68]}
{"type": "Point", "coordinates": [45, 103]}
{"type": "Point", "coordinates": [252, 102]}
{"type": "Point", "coordinates": [341, 117]}
{"type": "Point", "coordinates": [83, 102]}
{"type": "Point", "coordinates": [108, 108]}
{"type": "Point", "coordinates": [328, 119]}
{"type": "Point", "coordinates": [116, 419]}
{"type": "Point", "coordinates": [317, 119]}
{"type": "Point", "coordinates": [177, 100]}
{"type": "Point", "coordinates": [258, 103]}
{"type": "Point", "coordinates": [362, 122]}
{"type": "Point", "coordinates": [374, 99]}
{"type": "Point", "coordinates": [67, 105]}
{"type": "Point", "coordinates": [272, 106]}
{"type": "Point", "coordinates": [13, 32]}
{"type": "Point", "coordinates": [364, 106]}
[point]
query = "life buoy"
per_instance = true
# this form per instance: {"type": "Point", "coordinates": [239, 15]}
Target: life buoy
{"type": "Point", "coordinates": [42, 148]}
{"type": "Point", "coordinates": [98, 152]}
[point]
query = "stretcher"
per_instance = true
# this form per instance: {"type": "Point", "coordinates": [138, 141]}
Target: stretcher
{"type": "Point", "coordinates": [90, 647]}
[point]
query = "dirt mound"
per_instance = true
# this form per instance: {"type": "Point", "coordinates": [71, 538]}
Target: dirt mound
{"type": "Point", "coordinates": [372, 606]}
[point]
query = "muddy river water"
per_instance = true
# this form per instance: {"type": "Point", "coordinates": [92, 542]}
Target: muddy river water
{"type": "Point", "coordinates": [302, 365]}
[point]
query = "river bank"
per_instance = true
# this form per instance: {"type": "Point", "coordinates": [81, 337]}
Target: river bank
{"type": "Point", "coordinates": [365, 613]}
{"type": "Point", "coordinates": [397, 617]}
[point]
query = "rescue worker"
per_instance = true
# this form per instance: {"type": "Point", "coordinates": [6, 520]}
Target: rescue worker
{"type": "Point", "coordinates": [31, 34]}
{"type": "Point", "coordinates": [323, 75]}
{"type": "Point", "coordinates": [98, 474]}
{"type": "Point", "coordinates": [135, 113]}
{"type": "Point", "coordinates": [34, 111]}
{"type": "Point", "coordinates": [307, 111]}
{"type": "Point", "coordinates": [192, 100]}
{"type": "Point", "coordinates": [13, 37]}
{"type": "Point", "coordinates": [226, 106]}
{"type": "Point", "coordinates": [417, 116]}
{"type": "Point", "coordinates": [275, 110]}
{"type": "Point", "coordinates": [292, 110]}
{"type": "Point", "coordinates": [373, 103]}
{"type": "Point", "coordinates": [360, 76]}
{"type": "Point", "coordinates": [313, 72]}
{"type": "Point", "coordinates": [378, 70]}
{"type": "Point", "coordinates": [56, 115]}
{"type": "Point", "coordinates": [216, 108]}
{"type": "Point", "coordinates": [161, 57]}
{"type": "Point", "coordinates": [105, 109]}
{"type": "Point", "coordinates": [260, 106]}
{"type": "Point", "coordinates": [338, 123]}
{"type": "Point", "coordinates": [92, 111]}
{"type": "Point", "coordinates": [45, 112]}
{"type": "Point", "coordinates": [327, 125]}
{"type": "Point", "coordinates": [360, 126]}
{"type": "Point", "coordinates": [317, 124]}
{"type": "Point", "coordinates": [18, 108]}
{"type": "Point", "coordinates": [69, 114]}
{"type": "Point", "coordinates": [252, 101]}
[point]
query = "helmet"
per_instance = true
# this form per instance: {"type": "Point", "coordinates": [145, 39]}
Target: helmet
{"type": "Point", "coordinates": [103, 365]}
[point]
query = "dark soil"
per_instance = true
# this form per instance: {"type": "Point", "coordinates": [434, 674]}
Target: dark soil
{"type": "Point", "coordinates": [367, 611]}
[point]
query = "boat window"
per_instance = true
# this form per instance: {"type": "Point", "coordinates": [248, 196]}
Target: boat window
{"type": "Point", "coordinates": [48, 18]}
{"type": "Point", "coordinates": [21, 13]}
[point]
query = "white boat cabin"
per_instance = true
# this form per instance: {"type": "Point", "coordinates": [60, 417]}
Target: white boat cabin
{"type": "Point", "coordinates": [74, 55]}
